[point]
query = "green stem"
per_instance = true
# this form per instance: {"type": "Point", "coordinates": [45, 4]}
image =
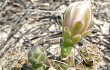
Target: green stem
{"type": "Point", "coordinates": [65, 51]}
{"type": "Point", "coordinates": [74, 59]}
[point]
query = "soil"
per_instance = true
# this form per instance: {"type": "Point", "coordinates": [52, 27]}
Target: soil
{"type": "Point", "coordinates": [25, 24]}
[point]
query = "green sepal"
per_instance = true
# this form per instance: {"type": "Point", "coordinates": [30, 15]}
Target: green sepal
{"type": "Point", "coordinates": [67, 43]}
{"type": "Point", "coordinates": [67, 33]}
{"type": "Point", "coordinates": [85, 33]}
{"type": "Point", "coordinates": [65, 51]}
{"type": "Point", "coordinates": [76, 39]}
{"type": "Point", "coordinates": [76, 28]}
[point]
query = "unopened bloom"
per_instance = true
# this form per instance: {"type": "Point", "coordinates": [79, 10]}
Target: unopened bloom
{"type": "Point", "coordinates": [77, 18]}
{"type": "Point", "coordinates": [77, 22]}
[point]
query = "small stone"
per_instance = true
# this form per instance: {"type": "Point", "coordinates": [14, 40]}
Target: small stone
{"type": "Point", "coordinates": [105, 28]}
{"type": "Point", "coordinates": [51, 68]}
{"type": "Point", "coordinates": [1, 68]}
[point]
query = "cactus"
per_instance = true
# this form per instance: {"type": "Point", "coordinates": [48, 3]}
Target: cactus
{"type": "Point", "coordinates": [76, 25]}
{"type": "Point", "coordinates": [37, 57]}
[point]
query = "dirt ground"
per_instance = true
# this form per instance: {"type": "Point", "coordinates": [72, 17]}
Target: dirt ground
{"type": "Point", "coordinates": [29, 23]}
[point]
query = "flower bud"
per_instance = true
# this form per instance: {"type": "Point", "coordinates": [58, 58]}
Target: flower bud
{"type": "Point", "coordinates": [78, 17]}
{"type": "Point", "coordinates": [76, 23]}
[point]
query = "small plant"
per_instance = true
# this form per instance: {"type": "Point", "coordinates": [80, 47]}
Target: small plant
{"type": "Point", "coordinates": [37, 57]}
{"type": "Point", "coordinates": [76, 25]}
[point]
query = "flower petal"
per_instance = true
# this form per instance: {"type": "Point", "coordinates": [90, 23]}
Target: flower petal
{"type": "Point", "coordinates": [87, 16]}
{"type": "Point", "coordinates": [74, 13]}
{"type": "Point", "coordinates": [67, 17]}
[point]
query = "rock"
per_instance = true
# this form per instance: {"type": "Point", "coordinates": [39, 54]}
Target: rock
{"type": "Point", "coordinates": [1, 67]}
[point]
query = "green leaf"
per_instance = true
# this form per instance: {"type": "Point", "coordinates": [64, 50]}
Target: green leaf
{"type": "Point", "coordinates": [35, 54]}
{"type": "Point", "coordinates": [33, 61]}
{"type": "Point", "coordinates": [85, 33]}
{"type": "Point", "coordinates": [76, 39]}
{"type": "Point", "coordinates": [42, 58]}
{"type": "Point", "coordinates": [30, 53]}
{"type": "Point", "coordinates": [41, 68]}
{"type": "Point", "coordinates": [77, 26]}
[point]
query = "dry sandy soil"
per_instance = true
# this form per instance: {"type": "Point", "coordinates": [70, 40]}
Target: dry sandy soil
{"type": "Point", "coordinates": [29, 23]}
